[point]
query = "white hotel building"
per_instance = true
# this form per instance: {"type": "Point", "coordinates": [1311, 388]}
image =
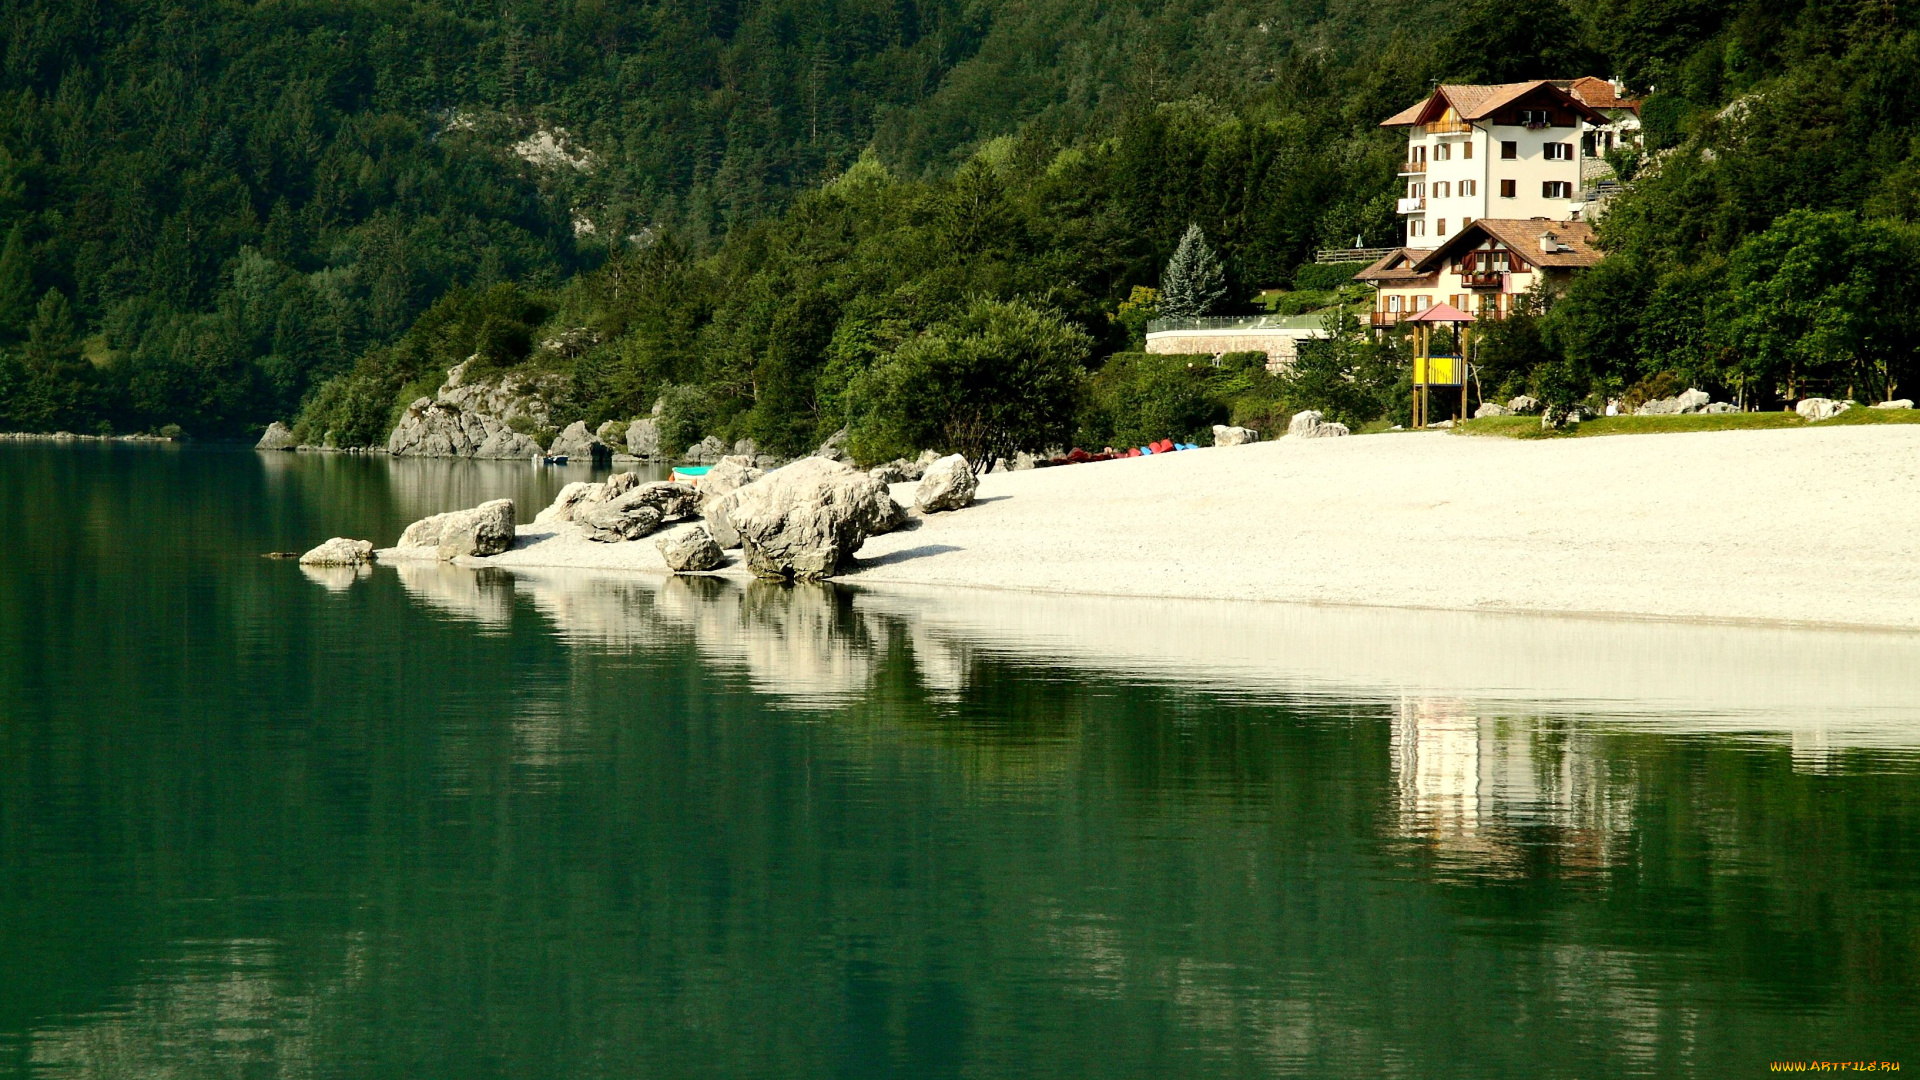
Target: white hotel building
{"type": "Point", "coordinates": [1513, 151]}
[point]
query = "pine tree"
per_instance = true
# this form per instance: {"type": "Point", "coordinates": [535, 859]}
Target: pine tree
{"type": "Point", "coordinates": [52, 337]}
{"type": "Point", "coordinates": [16, 284]}
{"type": "Point", "coordinates": [1194, 283]}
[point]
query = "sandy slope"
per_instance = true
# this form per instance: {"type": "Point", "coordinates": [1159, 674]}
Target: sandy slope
{"type": "Point", "coordinates": [1796, 525]}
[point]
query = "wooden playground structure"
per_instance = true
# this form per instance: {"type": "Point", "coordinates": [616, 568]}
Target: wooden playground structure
{"type": "Point", "coordinates": [1445, 370]}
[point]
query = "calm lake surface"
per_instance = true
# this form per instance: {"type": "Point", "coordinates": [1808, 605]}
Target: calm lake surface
{"type": "Point", "coordinates": [446, 823]}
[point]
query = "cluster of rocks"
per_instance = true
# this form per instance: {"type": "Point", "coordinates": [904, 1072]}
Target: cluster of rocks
{"type": "Point", "coordinates": [1224, 435]}
{"type": "Point", "coordinates": [484, 419]}
{"type": "Point", "coordinates": [1311, 424]}
{"type": "Point", "coordinates": [484, 530]}
{"type": "Point", "coordinates": [1523, 405]}
{"type": "Point", "coordinates": [902, 471]}
{"type": "Point", "coordinates": [621, 507]}
{"type": "Point", "coordinates": [1691, 401]}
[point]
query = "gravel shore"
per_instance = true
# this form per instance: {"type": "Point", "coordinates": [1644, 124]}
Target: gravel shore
{"type": "Point", "coordinates": [1796, 526]}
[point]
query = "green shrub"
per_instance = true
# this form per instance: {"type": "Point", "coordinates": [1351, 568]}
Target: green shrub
{"type": "Point", "coordinates": [1321, 277]}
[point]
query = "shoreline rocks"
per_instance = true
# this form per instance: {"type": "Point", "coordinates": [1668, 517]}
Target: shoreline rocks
{"type": "Point", "coordinates": [278, 436]}
{"type": "Point", "coordinates": [484, 530]}
{"type": "Point", "coordinates": [804, 521]}
{"type": "Point", "coordinates": [340, 551]}
{"type": "Point", "coordinates": [487, 419]}
{"type": "Point", "coordinates": [690, 549]}
{"type": "Point", "coordinates": [576, 442]}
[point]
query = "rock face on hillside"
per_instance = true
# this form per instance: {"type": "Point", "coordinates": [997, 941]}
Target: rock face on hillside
{"type": "Point", "coordinates": [486, 529]}
{"type": "Point", "coordinates": [804, 521]}
{"type": "Point", "coordinates": [578, 444]}
{"type": "Point", "coordinates": [277, 437]}
{"type": "Point", "coordinates": [477, 420]}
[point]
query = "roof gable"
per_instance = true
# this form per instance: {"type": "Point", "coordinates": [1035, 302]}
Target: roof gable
{"type": "Point", "coordinates": [1521, 236]}
{"type": "Point", "coordinates": [1478, 101]}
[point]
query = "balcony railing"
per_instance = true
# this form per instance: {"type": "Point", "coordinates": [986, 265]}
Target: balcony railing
{"type": "Point", "coordinates": [1412, 206]}
{"type": "Point", "coordinates": [1448, 127]}
{"type": "Point", "coordinates": [1388, 318]}
{"type": "Point", "coordinates": [1313, 320]}
{"type": "Point", "coordinates": [1488, 280]}
{"type": "Point", "coordinates": [1412, 168]}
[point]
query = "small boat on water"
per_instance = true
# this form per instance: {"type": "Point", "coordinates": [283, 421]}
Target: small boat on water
{"type": "Point", "coordinates": [690, 474]}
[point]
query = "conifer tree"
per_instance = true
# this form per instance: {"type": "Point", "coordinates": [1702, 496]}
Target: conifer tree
{"type": "Point", "coordinates": [16, 284]}
{"type": "Point", "coordinates": [52, 337]}
{"type": "Point", "coordinates": [1194, 283]}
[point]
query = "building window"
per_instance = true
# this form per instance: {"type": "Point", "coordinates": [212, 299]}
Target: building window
{"type": "Point", "coordinates": [1466, 149]}
{"type": "Point", "coordinates": [1559, 151]}
{"type": "Point", "coordinates": [1509, 188]}
{"type": "Point", "coordinates": [1535, 118]}
{"type": "Point", "coordinates": [1509, 149]}
{"type": "Point", "coordinates": [1416, 227]}
{"type": "Point", "coordinates": [1469, 188]}
{"type": "Point", "coordinates": [1442, 189]}
{"type": "Point", "coordinates": [1465, 221]}
{"type": "Point", "coordinates": [1417, 153]}
{"type": "Point", "coordinates": [1440, 227]}
{"type": "Point", "coordinates": [1393, 304]}
{"type": "Point", "coordinates": [1442, 152]}
{"type": "Point", "coordinates": [1420, 303]}
{"type": "Point", "coordinates": [1556, 189]}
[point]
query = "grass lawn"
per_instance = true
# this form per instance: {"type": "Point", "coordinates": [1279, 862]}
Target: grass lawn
{"type": "Point", "coordinates": [1528, 427]}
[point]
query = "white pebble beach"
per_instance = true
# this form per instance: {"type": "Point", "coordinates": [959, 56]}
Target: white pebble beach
{"type": "Point", "coordinates": [1798, 526]}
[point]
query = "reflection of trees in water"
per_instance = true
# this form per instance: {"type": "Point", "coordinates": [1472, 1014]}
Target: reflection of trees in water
{"type": "Point", "coordinates": [696, 827]}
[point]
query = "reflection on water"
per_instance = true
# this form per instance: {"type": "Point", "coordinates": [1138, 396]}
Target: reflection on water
{"type": "Point", "coordinates": [469, 823]}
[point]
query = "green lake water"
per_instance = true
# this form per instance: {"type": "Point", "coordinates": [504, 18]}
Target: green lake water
{"type": "Point", "coordinates": [434, 822]}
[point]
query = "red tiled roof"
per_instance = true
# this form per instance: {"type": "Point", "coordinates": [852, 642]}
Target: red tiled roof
{"type": "Point", "coordinates": [1522, 237]}
{"type": "Point", "coordinates": [1384, 269]}
{"type": "Point", "coordinates": [1599, 93]}
{"type": "Point", "coordinates": [1472, 101]}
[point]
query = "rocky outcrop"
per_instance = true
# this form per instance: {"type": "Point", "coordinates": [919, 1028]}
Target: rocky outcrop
{"type": "Point", "coordinates": [643, 438]}
{"type": "Point", "coordinates": [487, 418]}
{"type": "Point", "coordinates": [1310, 425]}
{"type": "Point", "coordinates": [948, 484]}
{"type": "Point", "coordinates": [1223, 435]}
{"type": "Point", "coordinates": [613, 433]}
{"type": "Point", "coordinates": [705, 452]}
{"type": "Point", "coordinates": [1897, 403]}
{"type": "Point", "coordinates": [835, 448]}
{"type": "Point", "coordinates": [278, 437]}
{"type": "Point", "coordinates": [1819, 408]}
{"type": "Point", "coordinates": [806, 520]}
{"type": "Point", "coordinates": [609, 523]}
{"type": "Point", "coordinates": [690, 549]}
{"type": "Point", "coordinates": [1491, 408]}
{"type": "Point", "coordinates": [1524, 405]}
{"type": "Point", "coordinates": [486, 529]}
{"type": "Point", "coordinates": [733, 473]}
{"type": "Point", "coordinates": [339, 551]}
{"type": "Point", "coordinates": [576, 443]}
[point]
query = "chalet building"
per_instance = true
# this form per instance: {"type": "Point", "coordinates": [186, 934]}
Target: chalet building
{"type": "Point", "coordinates": [1480, 268]}
{"type": "Point", "coordinates": [1511, 150]}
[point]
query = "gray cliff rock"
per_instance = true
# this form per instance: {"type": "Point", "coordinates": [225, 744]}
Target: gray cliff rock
{"type": "Point", "coordinates": [643, 438]}
{"type": "Point", "coordinates": [948, 484]}
{"type": "Point", "coordinates": [804, 521]}
{"type": "Point", "coordinates": [576, 443]}
{"type": "Point", "coordinates": [835, 448]}
{"type": "Point", "coordinates": [479, 419]}
{"type": "Point", "coordinates": [486, 529]}
{"type": "Point", "coordinates": [690, 549]}
{"type": "Point", "coordinates": [339, 551]}
{"type": "Point", "coordinates": [278, 437]}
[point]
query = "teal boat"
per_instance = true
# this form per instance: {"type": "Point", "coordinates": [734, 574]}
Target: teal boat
{"type": "Point", "coordinates": [690, 473]}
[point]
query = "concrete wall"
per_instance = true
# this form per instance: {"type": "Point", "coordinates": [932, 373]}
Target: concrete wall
{"type": "Point", "coordinates": [1281, 346]}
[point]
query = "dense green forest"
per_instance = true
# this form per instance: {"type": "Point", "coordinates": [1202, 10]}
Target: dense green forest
{"type": "Point", "coordinates": [781, 219]}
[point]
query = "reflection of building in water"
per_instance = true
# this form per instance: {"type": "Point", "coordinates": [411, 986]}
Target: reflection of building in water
{"type": "Point", "coordinates": [1483, 788]}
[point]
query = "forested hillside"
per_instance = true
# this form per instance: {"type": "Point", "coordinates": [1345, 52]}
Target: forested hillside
{"type": "Point", "coordinates": [777, 216]}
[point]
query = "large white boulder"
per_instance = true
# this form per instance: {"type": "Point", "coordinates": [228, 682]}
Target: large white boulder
{"type": "Point", "coordinates": [278, 437]}
{"type": "Point", "coordinates": [690, 549]}
{"type": "Point", "coordinates": [339, 551]}
{"type": "Point", "coordinates": [1310, 425]}
{"type": "Point", "coordinates": [1692, 401]}
{"type": "Point", "coordinates": [948, 484]}
{"type": "Point", "coordinates": [804, 521]}
{"type": "Point", "coordinates": [1491, 408]}
{"type": "Point", "coordinates": [1224, 435]}
{"type": "Point", "coordinates": [625, 510]}
{"type": "Point", "coordinates": [1897, 403]}
{"type": "Point", "coordinates": [1819, 408]}
{"type": "Point", "coordinates": [1524, 405]}
{"type": "Point", "coordinates": [486, 529]}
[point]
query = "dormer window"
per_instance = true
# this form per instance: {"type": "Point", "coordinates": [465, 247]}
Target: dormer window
{"type": "Point", "coordinates": [1536, 118]}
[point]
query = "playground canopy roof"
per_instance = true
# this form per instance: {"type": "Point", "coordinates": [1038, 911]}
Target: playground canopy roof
{"type": "Point", "coordinates": [1440, 313]}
